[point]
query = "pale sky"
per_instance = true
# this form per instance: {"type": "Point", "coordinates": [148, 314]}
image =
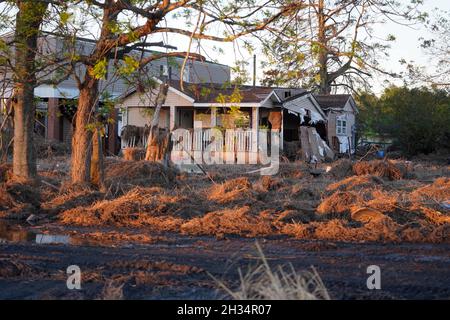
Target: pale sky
{"type": "Point", "coordinates": [406, 46]}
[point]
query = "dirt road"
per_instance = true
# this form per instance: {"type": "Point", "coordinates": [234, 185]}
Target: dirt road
{"type": "Point", "coordinates": [177, 268]}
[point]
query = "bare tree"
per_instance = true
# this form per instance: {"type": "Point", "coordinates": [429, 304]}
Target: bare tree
{"type": "Point", "coordinates": [438, 49]}
{"type": "Point", "coordinates": [323, 44]}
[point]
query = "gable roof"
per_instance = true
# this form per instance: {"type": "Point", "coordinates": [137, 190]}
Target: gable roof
{"type": "Point", "coordinates": [332, 101]}
{"type": "Point", "coordinates": [304, 96]}
{"type": "Point", "coordinates": [208, 93]}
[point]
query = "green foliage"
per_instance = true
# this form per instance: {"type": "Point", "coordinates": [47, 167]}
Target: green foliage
{"type": "Point", "coordinates": [100, 69]}
{"type": "Point", "coordinates": [417, 119]}
{"type": "Point", "coordinates": [129, 65]}
{"type": "Point", "coordinates": [239, 118]}
{"type": "Point", "coordinates": [64, 17]}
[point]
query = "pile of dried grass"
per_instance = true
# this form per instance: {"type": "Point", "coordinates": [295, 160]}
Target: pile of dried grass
{"type": "Point", "coordinates": [234, 190]}
{"type": "Point", "coordinates": [124, 175]}
{"type": "Point", "coordinates": [339, 203]}
{"type": "Point", "coordinates": [436, 192]}
{"type": "Point", "coordinates": [137, 208]}
{"type": "Point", "coordinates": [356, 183]}
{"type": "Point", "coordinates": [133, 154]}
{"type": "Point", "coordinates": [240, 221]}
{"type": "Point", "coordinates": [384, 230]}
{"type": "Point", "coordinates": [18, 200]}
{"type": "Point", "coordinates": [341, 168]}
{"type": "Point", "coordinates": [70, 198]}
{"type": "Point", "coordinates": [385, 169]}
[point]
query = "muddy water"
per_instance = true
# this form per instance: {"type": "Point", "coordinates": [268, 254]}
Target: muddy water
{"type": "Point", "coordinates": [19, 233]}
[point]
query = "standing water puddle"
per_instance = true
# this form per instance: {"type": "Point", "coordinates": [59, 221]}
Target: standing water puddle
{"type": "Point", "coordinates": [16, 233]}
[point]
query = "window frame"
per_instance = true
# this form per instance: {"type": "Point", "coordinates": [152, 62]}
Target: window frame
{"type": "Point", "coordinates": [341, 127]}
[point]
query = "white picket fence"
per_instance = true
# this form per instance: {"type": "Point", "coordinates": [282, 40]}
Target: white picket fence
{"type": "Point", "coordinates": [232, 140]}
{"type": "Point", "coordinates": [199, 140]}
{"type": "Point", "coordinates": [134, 142]}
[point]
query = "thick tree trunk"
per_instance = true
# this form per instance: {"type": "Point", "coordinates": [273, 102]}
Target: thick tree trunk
{"type": "Point", "coordinates": [28, 21]}
{"type": "Point", "coordinates": [84, 143]}
{"type": "Point", "coordinates": [24, 155]}
{"type": "Point", "coordinates": [153, 143]}
{"type": "Point", "coordinates": [324, 85]}
{"type": "Point", "coordinates": [82, 135]}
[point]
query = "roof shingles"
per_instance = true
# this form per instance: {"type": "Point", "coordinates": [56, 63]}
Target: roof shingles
{"type": "Point", "coordinates": [333, 101]}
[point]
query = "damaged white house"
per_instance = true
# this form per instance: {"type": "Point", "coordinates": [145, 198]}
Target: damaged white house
{"type": "Point", "coordinates": [311, 127]}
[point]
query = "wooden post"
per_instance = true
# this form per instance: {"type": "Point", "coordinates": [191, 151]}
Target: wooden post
{"type": "Point", "coordinates": [213, 117]}
{"type": "Point", "coordinates": [172, 115]}
{"type": "Point", "coordinates": [253, 159]}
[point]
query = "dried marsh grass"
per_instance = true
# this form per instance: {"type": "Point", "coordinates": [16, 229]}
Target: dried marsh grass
{"type": "Point", "coordinates": [283, 283]}
{"type": "Point", "coordinates": [139, 207]}
{"type": "Point", "coordinates": [234, 190]}
{"type": "Point", "coordinates": [385, 169]}
{"type": "Point", "coordinates": [112, 291]}
{"type": "Point", "coordinates": [124, 175]}
{"type": "Point", "coordinates": [238, 221]}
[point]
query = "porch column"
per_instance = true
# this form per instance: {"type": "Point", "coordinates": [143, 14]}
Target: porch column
{"type": "Point", "coordinates": [172, 114]}
{"type": "Point", "coordinates": [255, 129]}
{"type": "Point", "coordinates": [282, 130]}
{"type": "Point", "coordinates": [53, 120]}
{"type": "Point", "coordinates": [213, 117]}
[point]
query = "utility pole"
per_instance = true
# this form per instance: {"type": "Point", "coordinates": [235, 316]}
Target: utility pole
{"type": "Point", "coordinates": [254, 70]}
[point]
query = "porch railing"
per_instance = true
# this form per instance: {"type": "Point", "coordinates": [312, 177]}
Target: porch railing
{"type": "Point", "coordinates": [199, 140]}
{"type": "Point", "coordinates": [237, 140]}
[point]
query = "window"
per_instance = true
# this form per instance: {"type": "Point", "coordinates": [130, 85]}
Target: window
{"type": "Point", "coordinates": [341, 126]}
{"type": "Point", "coordinates": [164, 70]}
{"type": "Point", "coordinates": [186, 74]}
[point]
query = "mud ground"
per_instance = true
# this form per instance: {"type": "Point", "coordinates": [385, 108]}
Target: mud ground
{"type": "Point", "coordinates": [161, 234]}
{"type": "Point", "coordinates": [181, 268]}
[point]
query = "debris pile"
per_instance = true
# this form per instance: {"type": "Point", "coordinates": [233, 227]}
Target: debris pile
{"type": "Point", "coordinates": [385, 169]}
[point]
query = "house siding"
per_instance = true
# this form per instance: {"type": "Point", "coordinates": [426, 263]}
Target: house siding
{"type": "Point", "coordinates": [349, 116]}
{"type": "Point", "coordinates": [149, 99]}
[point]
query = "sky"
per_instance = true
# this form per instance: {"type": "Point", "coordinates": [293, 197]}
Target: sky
{"type": "Point", "coordinates": [406, 46]}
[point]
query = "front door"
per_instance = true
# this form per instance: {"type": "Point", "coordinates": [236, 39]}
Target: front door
{"type": "Point", "coordinates": [185, 118]}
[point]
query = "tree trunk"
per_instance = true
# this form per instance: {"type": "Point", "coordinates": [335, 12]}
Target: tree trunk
{"type": "Point", "coordinates": [153, 143]}
{"type": "Point", "coordinates": [97, 168]}
{"type": "Point", "coordinates": [324, 85]}
{"type": "Point", "coordinates": [84, 143]}
{"type": "Point", "coordinates": [82, 135]}
{"type": "Point", "coordinates": [28, 21]}
{"type": "Point", "coordinates": [24, 155]}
